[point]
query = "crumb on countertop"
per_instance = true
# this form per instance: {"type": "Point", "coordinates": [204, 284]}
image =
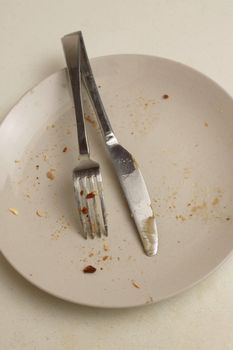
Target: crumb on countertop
{"type": "Point", "coordinates": [64, 149]}
{"type": "Point", "coordinates": [165, 96]}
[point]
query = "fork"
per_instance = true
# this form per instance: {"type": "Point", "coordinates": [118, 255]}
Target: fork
{"type": "Point", "coordinates": [87, 178]}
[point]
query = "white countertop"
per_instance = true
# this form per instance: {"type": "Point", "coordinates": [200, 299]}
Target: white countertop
{"type": "Point", "coordinates": [198, 33]}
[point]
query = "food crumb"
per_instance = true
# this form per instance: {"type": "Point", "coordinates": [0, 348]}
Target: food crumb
{"type": "Point", "coordinates": [180, 217]}
{"type": "Point", "coordinates": [206, 125]}
{"type": "Point", "coordinates": [105, 257]}
{"type": "Point", "coordinates": [106, 247]}
{"type": "Point", "coordinates": [165, 97]}
{"type": "Point", "coordinates": [89, 269]}
{"type": "Point", "coordinates": [41, 213]}
{"type": "Point", "coordinates": [228, 219]}
{"type": "Point", "coordinates": [90, 195]}
{"type": "Point", "coordinates": [37, 166]}
{"type": "Point", "coordinates": [81, 193]}
{"type": "Point", "coordinates": [90, 255]}
{"type": "Point", "coordinates": [135, 285]}
{"type": "Point", "coordinates": [64, 149]}
{"type": "Point", "coordinates": [50, 174]}
{"type": "Point", "coordinates": [13, 211]}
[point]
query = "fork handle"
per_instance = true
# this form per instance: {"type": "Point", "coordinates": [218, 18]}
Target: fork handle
{"type": "Point", "coordinates": [92, 90]}
{"type": "Point", "coordinates": [72, 51]}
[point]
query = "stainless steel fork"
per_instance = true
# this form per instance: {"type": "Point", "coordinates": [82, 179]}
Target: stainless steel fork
{"type": "Point", "coordinates": [87, 178]}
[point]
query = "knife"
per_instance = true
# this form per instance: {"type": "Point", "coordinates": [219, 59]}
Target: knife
{"type": "Point", "coordinates": [126, 168]}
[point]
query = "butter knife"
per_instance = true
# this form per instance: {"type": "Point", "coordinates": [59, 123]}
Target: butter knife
{"type": "Point", "coordinates": [126, 168]}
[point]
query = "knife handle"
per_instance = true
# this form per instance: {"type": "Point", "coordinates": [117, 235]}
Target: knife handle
{"type": "Point", "coordinates": [92, 90]}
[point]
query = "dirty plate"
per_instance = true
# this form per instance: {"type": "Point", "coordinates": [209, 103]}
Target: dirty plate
{"type": "Point", "coordinates": [179, 125]}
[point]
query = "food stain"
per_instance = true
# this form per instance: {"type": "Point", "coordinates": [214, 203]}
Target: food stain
{"type": "Point", "coordinates": [91, 195]}
{"type": "Point", "coordinates": [84, 210]}
{"type": "Point", "coordinates": [90, 120]}
{"type": "Point", "coordinates": [149, 225]}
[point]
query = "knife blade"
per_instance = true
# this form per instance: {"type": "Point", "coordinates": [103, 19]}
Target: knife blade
{"type": "Point", "coordinates": [137, 196]}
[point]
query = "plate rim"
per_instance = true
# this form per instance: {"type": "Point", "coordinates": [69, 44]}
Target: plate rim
{"type": "Point", "coordinates": [96, 305]}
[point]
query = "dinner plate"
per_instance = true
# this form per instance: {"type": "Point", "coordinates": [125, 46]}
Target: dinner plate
{"type": "Point", "coordinates": [178, 124]}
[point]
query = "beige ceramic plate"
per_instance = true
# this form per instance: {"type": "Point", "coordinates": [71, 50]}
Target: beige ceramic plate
{"type": "Point", "coordinates": [184, 145]}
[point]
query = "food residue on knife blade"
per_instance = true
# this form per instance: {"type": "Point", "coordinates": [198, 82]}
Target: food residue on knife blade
{"type": "Point", "coordinates": [149, 225]}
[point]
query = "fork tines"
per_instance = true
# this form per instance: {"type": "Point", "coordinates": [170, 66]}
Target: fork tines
{"type": "Point", "coordinates": [89, 195]}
